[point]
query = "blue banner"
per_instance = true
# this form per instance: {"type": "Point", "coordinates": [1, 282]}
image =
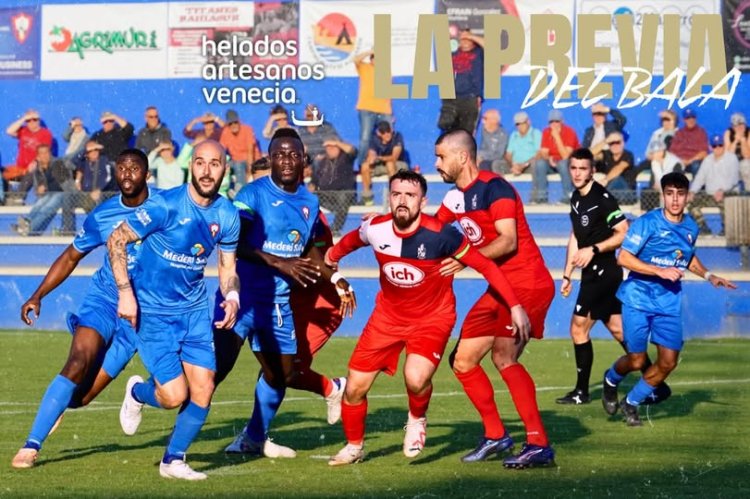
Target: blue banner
{"type": "Point", "coordinates": [19, 43]}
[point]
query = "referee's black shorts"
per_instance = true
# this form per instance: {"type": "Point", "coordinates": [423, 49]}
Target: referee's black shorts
{"type": "Point", "coordinates": [599, 283]}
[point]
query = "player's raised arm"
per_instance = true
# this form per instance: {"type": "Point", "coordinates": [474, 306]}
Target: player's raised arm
{"type": "Point", "coordinates": [127, 307]}
{"type": "Point", "coordinates": [229, 283]}
{"type": "Point", "coordinates": [697, 268]}
{"type": "Point", "coordinates": [57, 273]}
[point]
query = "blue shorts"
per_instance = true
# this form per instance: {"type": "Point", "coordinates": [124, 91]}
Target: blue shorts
{"type": "Point", "coordinates": [664, 330]}
{"type": "Point", "coordinates": [121, 350]}
{"type": "Point", "coordinates": [269, 326]}
{"type": "Point", "coordinates": [166, 341]}
{"type": "Point", "coordinates": [99, 313]}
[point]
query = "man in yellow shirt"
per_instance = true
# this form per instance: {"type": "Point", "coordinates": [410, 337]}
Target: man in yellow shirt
{"type": "Point", "coordinates": [371, 109]}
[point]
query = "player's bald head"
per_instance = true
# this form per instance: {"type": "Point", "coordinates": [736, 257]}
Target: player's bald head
{"type": "Point", "coordinates": [213, 146]}
{"type": "Point", "coordinates": [459, 140]}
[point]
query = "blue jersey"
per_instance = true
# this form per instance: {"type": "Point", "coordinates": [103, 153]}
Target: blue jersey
{"type": "Point", "coordinates": [282, 224]}
{"type": "Point", "coordinates": [657, 241]}
{"type": "Point", "coordinates": [96, 229]}
{"type": "Point", "coordinates": [178, 237]}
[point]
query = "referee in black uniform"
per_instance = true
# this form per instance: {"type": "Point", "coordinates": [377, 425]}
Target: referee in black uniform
{"type": "Point", "coordinates": [599, 228]}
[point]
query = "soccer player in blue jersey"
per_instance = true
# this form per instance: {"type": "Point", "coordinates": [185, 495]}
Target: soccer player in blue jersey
{"type": "Point", "coordinates": [658, 248]}
{"type": "Point", "coordinates": [279, 217]}
{"type": "Point", "coordinates": [98, 326]}
{"type": "Point", "coordinates": [179, 229]}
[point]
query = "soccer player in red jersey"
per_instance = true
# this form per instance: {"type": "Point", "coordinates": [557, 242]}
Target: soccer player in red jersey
{"type": "Point", "coordinates": [491, 214]}
{"type": "Point", "coordinates": [410, 248]}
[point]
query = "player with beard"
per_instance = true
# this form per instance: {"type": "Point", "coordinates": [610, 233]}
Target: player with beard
{"type": "Point", "coordinates": [491, 214]}
{"type": "Point", "coordinates": [98, 328]}
{"type": "Point", "coordinates": [179, 229]}
{"type": "Point", "coordinates": [409, 247]}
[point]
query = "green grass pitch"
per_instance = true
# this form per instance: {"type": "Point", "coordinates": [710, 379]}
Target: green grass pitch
{"type": "Point", "coordinates": [695, 444]}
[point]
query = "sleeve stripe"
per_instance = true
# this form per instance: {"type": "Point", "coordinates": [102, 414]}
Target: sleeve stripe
{"type": "Point", "coordinates": [461, 252]}
{"type": "Point", "coordinates": [614, 214]}
{"type": "Point", "coordinates": [243, 207]}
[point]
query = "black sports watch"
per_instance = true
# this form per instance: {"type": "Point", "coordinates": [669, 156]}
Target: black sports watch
{"type": "Point", "coordinates": [595, 249]}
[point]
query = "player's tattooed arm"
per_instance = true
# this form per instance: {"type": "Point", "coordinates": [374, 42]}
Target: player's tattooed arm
{"type": "Point", "coordinates": [229, 284]}
{"type": "Point", "coordinates": [117, 245]}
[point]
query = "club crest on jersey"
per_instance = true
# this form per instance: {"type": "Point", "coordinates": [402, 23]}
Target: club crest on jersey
{"type": "Point", "coordinates": [294, 236]}
{"type": "Point", "coordinates": [306, 212]}
{"type": "Point", "coordinates": [471, 229]}
{"type": "Point", "coordinates": [585, 220]}
{"type": "Point", "coordinates": [690, 238]}
{"type": "Point", "coordinates": [474, 202]}
{"type": "Point", "coordinates": [214, 228]}
{"type": "Point", "coordinates": [421, 252]}
{"type": "Point", "coordinates": [142, 215]}
{"type": "Point", "coordinates": [402, 274]}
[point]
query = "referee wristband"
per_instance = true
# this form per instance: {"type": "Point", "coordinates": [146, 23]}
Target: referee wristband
{"type": "Point", "coordinates": [707, 275]}
{"type": "Point", "coordinates": [336, 277]}
{"type": "Point", "coordinates": [233, 296]}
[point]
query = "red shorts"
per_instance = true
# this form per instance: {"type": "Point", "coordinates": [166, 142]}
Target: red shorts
{"type": "Point", "coordinates": [380, 345]}
{"type": "Point", "coordinates": [490, 315]}
{"type": "Point", "coordinates": [314, 323]}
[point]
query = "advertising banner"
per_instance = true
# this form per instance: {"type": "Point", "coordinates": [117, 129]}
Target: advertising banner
{"type": "Point", "coordinates": [19, 43]}
{"type": "Point", "coordinates": [736, 15]}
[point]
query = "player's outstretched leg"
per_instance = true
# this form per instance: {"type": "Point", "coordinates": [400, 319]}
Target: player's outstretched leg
{"type": "Point", "coordinates": [353, 418]}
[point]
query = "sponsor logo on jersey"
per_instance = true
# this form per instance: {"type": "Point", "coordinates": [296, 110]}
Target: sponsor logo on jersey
{"type": "Point", "coordinates": [402, 274]}
{"type": "Point", "coordinates": [294, 236]}
{"type": "Point", "coordinates": [664, 261]}
{"type": "Point", "coordinates": [214, 228]}
{"type": "Point", "coordinates": [471, 229]}
{"type": "Point", "coordinates": [142, 215]}
{"type": "Point", "coordinates": [185, 260]}
{"type": "Point", "coordinates": [282, 248]}
{"type": "Point", "coordinates": [184, 221]}
{"type": "Point", "coordinates": [277, 203]}
{"type": "Point", "coordinates": [197, 249]}
{"type": "Point", "coordinates": [384, 246]}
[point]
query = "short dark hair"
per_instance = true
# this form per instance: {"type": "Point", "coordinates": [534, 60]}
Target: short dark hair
{"type": "Point", "coordinates": [278, 108]}
{"type": "Point", "coordinates": [383, 127]}
{"type": "Point", "coordinates": [466, 140]}
{"type": "Point", "coordinates": [583, 153]}
{"type": "Point", "coordinates": [285, 133]}
{"type": "Point", "coordinates": [675, 179]}
{"type": "Point", "coordinates": [410, 176]}
{"type": "Point", "coordinates": [142, 158]}
{"type": "Point", "coordinates": [260, 165]}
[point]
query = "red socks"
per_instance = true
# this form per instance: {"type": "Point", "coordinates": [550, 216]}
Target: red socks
{"type": "Point", "coordinates": [311, 381]}
{"type": "Point", "coordinates": [523, 392]}
{"type": "Point", "coordinates": [418, 404]}
{"type": "Point", "coordinates": [481, 393]}
{"type": "Point", "coordinates": [353, 420]}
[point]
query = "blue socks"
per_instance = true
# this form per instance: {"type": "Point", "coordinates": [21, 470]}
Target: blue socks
{"type": "Point", "coordinates": [189, 422]}
{"type": "Point", "coordinates": [639, 392]}
{"type": "Point", "coordinates": [267, 402]}
{"type": "Point", "coordinates": [53, 404]}
{"type": "Point", "coordinates": [613, 377]}
{"type": "Point", "coordinates": [145, 393]}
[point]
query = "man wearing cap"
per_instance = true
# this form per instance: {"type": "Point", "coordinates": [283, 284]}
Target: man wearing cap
{"type": "Point", "coordinates": [718, 175]}
{"type": "Point", "coordinates": [737, 140]}
{"type": "Point", "coordinates": [31, 134]}
{"type": "Point", "coordinates": [690, 143]}
{"type": "Point", "coordinates": [154, 133]}
{"type": "Point", "coordinates": [114, 134]}
{"type": "Point", "coordinates": [169, 172]}
{"type": "Point", "coordinates": [212, 127]}
{"type": "Point", "coordinates": [595, 135]}
{"type": "Point", "coordinates": [558, 143]}
{"type": "Point", "coordinates": [468, 71]}
{"type": "Point", "coordinates": [617, 164]}
{"type": "Point", "coordinates": [523, 144]}
{"type": "Point", "coordinates": [76, 136]}
{"type": "Point", "coordinates": [242, 146]}
{"type": "Point", "coordinates": [493, 142]}
{"type": "Point", "coordinates": [334, 181]}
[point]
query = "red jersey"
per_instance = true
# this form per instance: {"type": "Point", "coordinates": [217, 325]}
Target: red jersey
{"type": "Point", "coordinates": [477, 207]}
{"type": "Point", "coordinates": [568, 136]}
{"type": "Point", "coordinates": [28, 142]}
{"type": "Point", "coordinates": [410, 279]}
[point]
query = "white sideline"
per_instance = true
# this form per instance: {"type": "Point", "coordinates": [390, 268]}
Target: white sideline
{"type": "Point", "coordinates": [96, 406]}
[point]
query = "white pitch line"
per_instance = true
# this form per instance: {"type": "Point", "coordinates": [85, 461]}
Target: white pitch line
{"type": "Point", "coordinates": [96, 406]}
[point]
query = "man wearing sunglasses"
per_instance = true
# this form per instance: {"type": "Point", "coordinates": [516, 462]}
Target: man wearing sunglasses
{"type": "Point", "coordinates": [31, 134]}
{"type": "Point", "coordinates": [594, 138]}
{"type": "Point", "coordinates": [114, 134]}
{"type": "Point", "coordinates": [154, 134]}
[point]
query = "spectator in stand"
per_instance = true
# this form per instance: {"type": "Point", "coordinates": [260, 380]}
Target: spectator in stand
{"type": "Point", "coordinates": [690, 143]}
{"type": "Point", "coordinates": [523, 145]}
{"type": "Point", "coordinates": [153, 134]}
{"type": "Point", "coordinates": [76, 136]}
{"type": "Point", "coordinates": [279, 118]}
{"type": "Point", "coordinates": [663, 134]}
{"type": "Point", "coordinates": [334, 181]}
{"type": "Point", "coordinates": [161, 161]}
{"type": "Point", "coordinates": [385, 155]}
{"type": "Point", "coordinates": [313, 136]}
{"type": "Point", "coordinates": [493, 142]}
{"type": "Point", "coordinates": [240, 142]}
{"type": "Point", "coordinates": [51, 177]}
{"type": "Point", "coordinates": [558, 143]}
{"type": "Point", "coordinates": [718, 175]}
{"type": "Point", "coordinates": [594, 138]}
{"type": "Point", "coordinates": [737, 139]}
{"type": "Point", "coordinates": [93, 178]}
{"type": "Point", "coordinates": [617, 163]}
{"type": "Point", "coordinates": [468, 71]}
{"type": "Point", "coordinates": [372, 110]}
{"type": "Point", "coordinates": [212, 127]}
{"type": "Point", "coordinates": [30, 132]}
{"type": "Point", "coordinates": [114, 135]}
